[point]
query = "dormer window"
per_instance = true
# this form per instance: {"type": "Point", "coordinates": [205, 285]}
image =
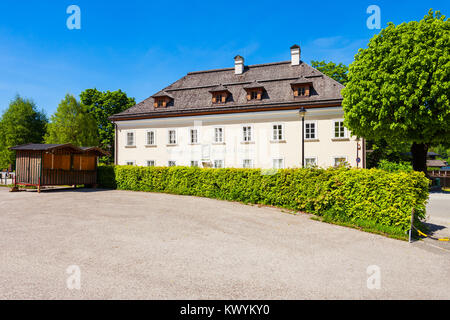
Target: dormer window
{"type": "Point", "coordinates": [161, 100]}
{"type": "Point", "coordinates": [302, 91]}
{"type": "Point", "coordinates": [255, 95]}
{"type": "Point", "coordinates": [302, 87]}
{"type": "Point", "coordinates": [219, 97]}
{"type": "Point", "coordinates": [254, 91]}
{"type": "Point", "coordinates": [219, 94]}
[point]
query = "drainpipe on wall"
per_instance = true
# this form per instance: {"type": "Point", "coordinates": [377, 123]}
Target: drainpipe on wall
{"type": "Point", "coordinates": [115, 143]}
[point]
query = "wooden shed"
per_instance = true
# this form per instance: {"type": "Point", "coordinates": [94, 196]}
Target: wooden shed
{"type": "Point", "coordinates": [56, 164]}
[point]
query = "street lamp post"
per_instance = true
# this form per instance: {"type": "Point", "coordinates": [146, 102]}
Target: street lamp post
{"type": "Point", "coordinates": [302, 113]}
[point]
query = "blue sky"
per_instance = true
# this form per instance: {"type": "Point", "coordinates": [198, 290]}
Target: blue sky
{"type": "Point", "coordinates": [143, 46]}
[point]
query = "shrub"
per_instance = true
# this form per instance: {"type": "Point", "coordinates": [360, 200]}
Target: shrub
{"type": "Point", "coordinates": [394, 166]}
{"type": "Point", "coordinates": [344, 195]}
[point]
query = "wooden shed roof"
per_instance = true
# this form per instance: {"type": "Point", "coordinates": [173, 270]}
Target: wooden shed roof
{"type": "Point", "coordinates": [53, 147]}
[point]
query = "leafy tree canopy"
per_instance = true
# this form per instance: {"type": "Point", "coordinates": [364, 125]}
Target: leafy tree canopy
{"type": "Point", "coordinates": [102, 105]}
{"type": "Point", "coordinates": [399, 86]}
{"type": "Point", "coordinates": [21, 123]}
{"type": "Point", "coordinates": [338, 72]}
{"type": "Point", "coordinates": [72, 123]}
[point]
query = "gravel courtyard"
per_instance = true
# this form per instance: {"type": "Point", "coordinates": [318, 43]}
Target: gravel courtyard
{"type": "Point", "coordinates": [132, 245]}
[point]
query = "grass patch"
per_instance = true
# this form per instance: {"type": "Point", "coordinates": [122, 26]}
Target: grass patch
{"type": "Point", "coordinates": [367, 226]}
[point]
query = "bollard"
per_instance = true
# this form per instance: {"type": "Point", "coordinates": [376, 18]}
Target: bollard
{"type": "Point", "coordinates": [411, 227]}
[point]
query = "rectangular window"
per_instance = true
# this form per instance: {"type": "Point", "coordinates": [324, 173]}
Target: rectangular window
{"type": "Point", "coordinates": [218, 135]}
{"type": "Point", "coordinates": [278, 163]}
{"type": "Point", "coordinates": [218, 163]}
{"type": "Point", "coordinates": [130, 138]}
{"type": "Point", "coordinates": [310, 162]}
{"type": "Point", "coordinates": [171, 163]}
{"type": "Point", "coordinates": [172, 137]}
{"type": "Point", "coordinates": [247, 163]}
{"type": "Point", "coordinates": [277, 132]}
{"type": "Point", "coordinates": [194, 163]}
{"type": "Point", "coordinates": [301, 91]}
{"type": "Point", "coordinates": [339, 129]}
{"type": "Point", "coordinates": [150, 163]}
{"type": "Point", "coordinates": [130, 163]}
{"type": "Point", "coordinates": [219, 98]}
{"type": "Point", "coordinates": [247, 133]}
{"type": "Point", "coordinates": [340, 161]}
{"type": "Point", "coordinates": [310, 130]}
{"type": "Point", "coordinates": [194, 136]}
{"type": "Point", "coordinates": [150, 138]}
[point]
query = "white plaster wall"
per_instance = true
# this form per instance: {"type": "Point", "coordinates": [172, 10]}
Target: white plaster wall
{"type": "Point", "coordinates": [262, 150]}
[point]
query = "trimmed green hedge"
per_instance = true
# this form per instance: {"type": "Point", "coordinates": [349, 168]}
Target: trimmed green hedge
{"type": "Point", "coordinates": [342, 195]}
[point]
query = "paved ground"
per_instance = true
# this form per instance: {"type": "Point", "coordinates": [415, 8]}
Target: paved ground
{"type": "Point", "coordinates": [438, 207]}
{"type": "Point", "coordinates": [158, 246]}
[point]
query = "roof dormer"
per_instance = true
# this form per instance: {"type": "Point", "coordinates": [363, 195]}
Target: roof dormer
{"type": "Point", "coordinates": [219, 94]}
{"type": "Point", "coordinates": [302, 87]}
{"type": "Point", "coordinates": [161, 99]}
{"type": "Point", "coordinates": [254, 90]}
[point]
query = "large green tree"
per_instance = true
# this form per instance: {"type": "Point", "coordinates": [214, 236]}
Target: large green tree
{"type": "Point", "coordinates": [21, 123]}
{"type": "Point", "coordinates": [102, 105]}
{"type": "Point", "coordinates": [338, 72]}
{"type": "Point", "coordinates": [72, 123]}
{"type": "Point", "coordinates": [399, 86]}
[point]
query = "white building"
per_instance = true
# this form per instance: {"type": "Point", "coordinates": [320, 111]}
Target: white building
{"type": "Point", "coordinates": [246, 116]}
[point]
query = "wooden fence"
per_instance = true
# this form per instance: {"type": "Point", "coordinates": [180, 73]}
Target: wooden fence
{"type": "Point", "coordinates": [443, 175]}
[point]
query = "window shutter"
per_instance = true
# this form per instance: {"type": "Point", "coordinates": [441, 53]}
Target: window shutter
{"type": "Point", "coordinates": [155, 104]}
{"type": "Point", "coordinates": [295, 92]}
{"type": "Point", "coordinates": [214, 99]}
{"type": "Point", "coordinates": [307, 91]}
{"type": "Point", "coordinates": [224, 97]}
{"type": "Point", "coordinates": [259, 95]}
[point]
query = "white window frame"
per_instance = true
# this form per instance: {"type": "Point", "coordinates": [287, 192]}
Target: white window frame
{"type": "Point", "coordinates": [335, 157]}
{"type": "Point", "coordinates": [154, 138]}
{"type": "Point", "coordinates": [316, 136]}
{"type": "Point", "coordinates": [277, 138]}
{"type": "Point", "coordinates": [252, 133]}
{"type": "Point", "coordinates": [334, 129]}
{"type": "Point", "coordinates": [311, 157]}
{"type": "Point", "coordinates": [196, 166]}
{"type": "Point", "coordinates": [223, 135]}
{"type": "Point", "coordinates": [126, 138]}
{"type": "Point", "coordinates": [282, 162]}
{"type": "Point", "coordinates": [127, 162]}
{"type": "Point", "coordinates": [147, 162]}
{"type": "Point", "coordinates": [190, 135]}
{"type": "Point", "coordinates": [168, 137]}
{"type": "Point", "coordinates": [214, 163]}
{"type": "Point", "coordinates": [174, 163]}
{"type": "Point", "coordinates": [251, 163]}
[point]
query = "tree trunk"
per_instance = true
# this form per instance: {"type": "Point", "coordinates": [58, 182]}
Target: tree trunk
{"type": "Point", "coordinates": [419, 157]}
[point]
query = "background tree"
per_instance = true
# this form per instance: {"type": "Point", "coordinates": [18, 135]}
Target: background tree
{"type": "Point", "coordinates": [21, 123]}
{"type": "Point", "coordinates": [399, 86]}
{"type": "Point", "coordinates": [72, 123]}
{"type": "Point", "coordinates": [338, 72]}
{"type": "Point", "coordinates": [103, 105]}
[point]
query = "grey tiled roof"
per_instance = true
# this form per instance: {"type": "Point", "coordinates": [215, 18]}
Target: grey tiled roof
{"type": "Point", "coordinates": [192, 93]}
